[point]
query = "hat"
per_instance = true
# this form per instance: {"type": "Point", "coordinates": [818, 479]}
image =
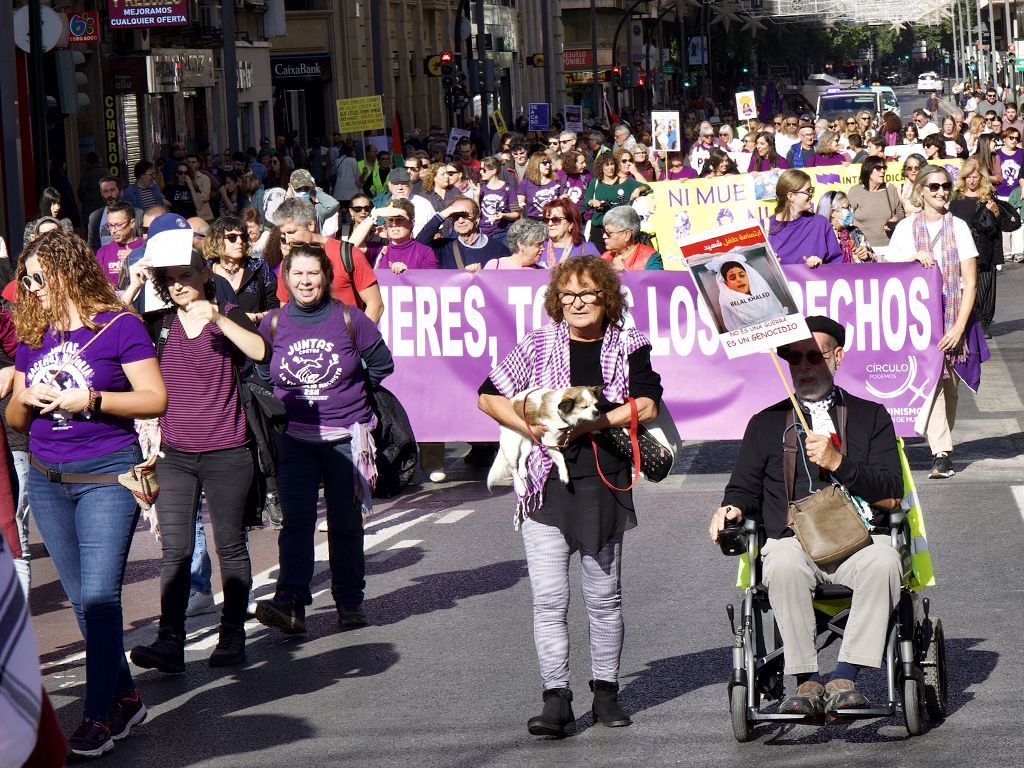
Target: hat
{"type": "Point", "coordinates": [264, 140]}
{"type": "Point", "coordinates": [301, 179]}
{"type": "Point", "coordinates": [822, 324]}
{"type": "Point", "coordinates": [169, 241]}
{"type": "Point", "coordinates": [399, 176]}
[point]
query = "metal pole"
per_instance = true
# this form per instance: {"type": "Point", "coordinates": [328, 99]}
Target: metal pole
{"type": "Point", "coordinates": [966, 22]}
{"type": "Point", "coordinates": [481, 48]}
{"type": "Point", "coordinates": [596, 93]}
{"type": "Point", "coordinates": [992, 42]}
{"type": "Point", "coordinates": [982, 61]}
{"type": "Point", "coordinates": [14, 205]}
{"type": "Point", "coordinates": [548, 47]}
{"type": "Point", "coordinates": [1011, 68]}
{"type": "Point", "coordinates": [629, 60]}
{"type": "Point", "coordinates": [37, 96]}
{"type": "Point", "coordinates": [956, 48]}
{"type": "Point", "coordinates": [684, 61]}
{"type": "Point", "coordinates": [230, 76]}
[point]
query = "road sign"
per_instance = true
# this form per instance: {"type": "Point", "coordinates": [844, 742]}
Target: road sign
{"type": "Point", "coordinates": [669, 69]}
{"type": "Point", "coordinates": [539, 116]}
{"type": "Point", "coordinates": [432, 66]}
{"type": "Point", "coordinates": [537, 60]}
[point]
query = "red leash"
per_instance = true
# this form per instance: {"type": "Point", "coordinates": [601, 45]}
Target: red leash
{"type": "Point", "coordinates": [634, 442]}
{"type": "Point", "coordinates": [529, 429]}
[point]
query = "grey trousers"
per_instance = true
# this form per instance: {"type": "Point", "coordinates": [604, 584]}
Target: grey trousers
{"type": "Point", "coordinates": [874, 574]}
{"type": "Point", "coordinates": [547, 558]}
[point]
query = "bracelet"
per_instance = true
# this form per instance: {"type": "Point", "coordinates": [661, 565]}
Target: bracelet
{"type": "Point", "coordinates": [93, 396]}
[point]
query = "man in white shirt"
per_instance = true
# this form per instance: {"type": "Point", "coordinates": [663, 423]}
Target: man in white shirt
{"type": "Point", "coordinates": [925, 127]}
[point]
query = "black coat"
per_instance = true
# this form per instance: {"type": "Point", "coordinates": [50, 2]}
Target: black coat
{"type": "Point", "coordinates": [986, 228]}
{"type": "Point", "coordinates": [871, 468]}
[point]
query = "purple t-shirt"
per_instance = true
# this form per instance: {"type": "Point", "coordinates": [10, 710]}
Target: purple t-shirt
{"type": "Point", "coordinates": [493, 202]}
{"type": "Point", "coordinates": [110, 262]}
{"type": "Point", "coordinates": [805, 236]}
{"type": "Point", "coordinates": [411, 253]}
{"type": "Point", "coordinates": [1009, 164]}
{"type": "Point", "coordinates": [537, 196]}
{"type": "Point", "coordinates": [56, 440]}
{"type": "Point", "coordinates": [316, 371]}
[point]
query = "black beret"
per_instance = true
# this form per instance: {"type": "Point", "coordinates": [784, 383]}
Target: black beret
{"type": "Point", "coordinates": [822, 324]}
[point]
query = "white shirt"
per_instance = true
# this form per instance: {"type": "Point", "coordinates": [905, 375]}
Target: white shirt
{"type": "Point", "coordinates": [784, 143]}
{"type": "Point", "coordinates": [927, 129]}
{"type": "Point", "coordinates": [901, 244]}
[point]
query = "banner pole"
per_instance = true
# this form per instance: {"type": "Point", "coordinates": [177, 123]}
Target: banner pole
{"type": "Point", "coordinates": [789, 391]}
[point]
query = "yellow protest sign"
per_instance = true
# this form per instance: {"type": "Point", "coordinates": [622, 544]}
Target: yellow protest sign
{"type": "Point", "coordinates": [499, 122]}
{"type": "Point", "coordinates": [365, 113]}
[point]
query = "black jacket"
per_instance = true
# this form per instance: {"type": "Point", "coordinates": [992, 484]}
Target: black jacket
{"type": "Point", "coordinates": [871, 468]}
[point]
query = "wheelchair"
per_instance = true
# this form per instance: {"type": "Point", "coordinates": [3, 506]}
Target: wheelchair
{"type": "Point", "coordinates": [915, 653]}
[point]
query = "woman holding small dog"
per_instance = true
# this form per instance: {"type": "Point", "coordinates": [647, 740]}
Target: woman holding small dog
{"type": "Point", "coordinates": [585, 345]}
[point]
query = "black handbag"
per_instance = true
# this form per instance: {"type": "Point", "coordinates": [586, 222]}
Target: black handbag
{"type": "Point", "coordinates": [655, 459]}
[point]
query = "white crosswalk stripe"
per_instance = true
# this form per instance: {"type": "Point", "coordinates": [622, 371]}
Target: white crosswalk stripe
{"type": "Point", "coordinates": [453, 517]}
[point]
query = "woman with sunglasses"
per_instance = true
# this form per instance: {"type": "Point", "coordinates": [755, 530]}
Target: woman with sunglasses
{"type": "Point", "coordinates": [181, 192]}
{"type": "Point", "coordinates": [935, 237]}
{"type": "Point", "coordinates": [402, 252]}
{"type": "Point", "coordinates": [459, 183]}
{"type": "Point", "coordinates": [876, 204]}
{"type": "Point", "coordinates": [796, 233]}
{"type": "Point", "coordinates": [912, 165]}
{"type": "Point", "coordinates": [764, 156]}
{"type": "Point", "coordinates": [642, 163]}
{"type": "Point", "coordinates": [539, 186]}
{"type": "Point", "coordinates": [499, 203]}
{"type": "Point", "coordinates": [227, 248]}
{"type": "Point", "coordinates": [565, 233]}
{"type": "Point", "coordinates": [203, 450]}
{"type": "Point", "coordinates": [727, 139]}
{"type": "Point", "coordinates": [608, 190]}
{"type": "Point", "coordinates": [85, 369]}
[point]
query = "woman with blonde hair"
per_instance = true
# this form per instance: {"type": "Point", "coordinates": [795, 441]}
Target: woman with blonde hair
{"type": "Point", "coordinates": [827, 150]}
{"type": "Point", "coordinates": [974, 128]}
{"type": "Point", "coordinates": [539, 186]}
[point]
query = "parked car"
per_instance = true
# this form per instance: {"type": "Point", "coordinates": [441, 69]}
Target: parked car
{"type": "Point", "coordinates": [929, 82]}
{"type": "Point", "coordinates": [893, 77]}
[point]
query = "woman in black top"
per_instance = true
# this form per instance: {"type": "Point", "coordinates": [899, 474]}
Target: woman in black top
{"type": "Point", "coordinates": [229, 251]}
{"type": "Point", "coordinates": [181, 192]}
{"type": "Point", "coordinates": [585, 345]}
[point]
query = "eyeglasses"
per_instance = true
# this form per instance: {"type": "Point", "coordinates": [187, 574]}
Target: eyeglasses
{"type": "Point", "coordinates": [452, 173]}
{"type": "Point", "coordinates": [814, 357]}
{"type": "Point", "coordinates": [909, 168]}
{"type": "Point", "coordinates": [935, 186]}
{"type": "Point", "coordinates": [568, 298]}
{"type": "Point", "coordinates": [361, 208]}
{"type": "Point", "coordinates": [778, 122]}
{"type": "Point", "coordinates": [791, 123]}
{"type": "Point", "coordinates": [723, 133]}
{"type": "Point", "coordinates": [545, 162]}
{"type": "Point", "coordinates": [182, 173]}
{"type": "Point", "coordinates": [554, 220]}
{"type": "Point", "coordinates": [233, 237]}
{"type": "Point", "coordinates": [613, 233]}
{"type": "Point", "coordinates": [851, 122]}
{"type": "Point", "coordinates": [33, 281]}
{"type": "Point", "coordinates": [809, 192]}
{"type": "Point", "coordinates": [553, 143]}
{"type": "Point", "coordinates": [115, 226]}
{"type": "Point", "coordinates": [565, 141]}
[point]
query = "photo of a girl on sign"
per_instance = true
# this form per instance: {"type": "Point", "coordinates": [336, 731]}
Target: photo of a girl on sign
{"type": "Point", "coordinates": [744, 296]}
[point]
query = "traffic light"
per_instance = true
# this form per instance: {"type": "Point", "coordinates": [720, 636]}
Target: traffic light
{"type": "Point", "coordinates": [641, 81]}
{"type": "Point", "coordinates": [448, 78]}
{"type": "Point", "coordinates": [71, 84]}
{"type": "Point", "coordinates": [461, 94]}
{"type": "Point", "coordinates": [617, 77]}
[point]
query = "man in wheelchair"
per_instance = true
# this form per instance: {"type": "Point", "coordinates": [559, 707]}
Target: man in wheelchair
{"type": "Point", "coordinates": [853, 442]}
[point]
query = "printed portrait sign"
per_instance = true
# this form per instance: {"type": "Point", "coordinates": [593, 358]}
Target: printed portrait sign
{"type": "Point", "coordinates": [746, 105]}
{"type": "Point", "coordinates": [665, 132]}
{"type": "Point", "coordinates": [573, 117]}
{"type": "Point", "coordinates": [739, 278]}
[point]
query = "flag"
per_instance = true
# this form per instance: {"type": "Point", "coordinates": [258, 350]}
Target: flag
{"type": "Point", "coordinates": [612, 117]}
{"type": "Point", "coordinates": [397, 144]}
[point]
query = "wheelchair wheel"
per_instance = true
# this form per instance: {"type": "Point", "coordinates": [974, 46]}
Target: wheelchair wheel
{"type": "Point", "coordinates": [913, 709]}
{"type": "Point", "coordinates": [936, 681]}
{"type": "Point", "coordinates": [741, 727]}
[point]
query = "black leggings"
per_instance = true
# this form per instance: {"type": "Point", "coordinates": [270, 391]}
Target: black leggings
{"type": "Point", "coordinates": [225, 476]}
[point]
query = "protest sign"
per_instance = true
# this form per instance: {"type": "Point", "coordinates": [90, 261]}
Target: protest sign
{"type": "Point", "coordinates": [453, 140]}
{"type": "Point", "coordinates": [499, 122]}
{"type": "Point", "coordinates": [741, 283]}
{"type": "Point", "coordinates": [573, 117]}
{"type": "Point", "coordinates": [538, 115]}
{"type": "Point", "coordinates": [364, 113]}
{"type": "Point", "coordinates": [665, 132]}
{"type": "Point", "coordinates": [447, 329]}
{"type": "Point", "coordinates": [746, 105]}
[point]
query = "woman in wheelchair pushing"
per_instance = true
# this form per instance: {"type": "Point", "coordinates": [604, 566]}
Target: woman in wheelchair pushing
{"type": "Point", "coordinates": [852, 442]}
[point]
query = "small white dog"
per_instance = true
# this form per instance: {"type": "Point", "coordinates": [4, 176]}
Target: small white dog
{"type": "Point", "coordinates": [559, 410]}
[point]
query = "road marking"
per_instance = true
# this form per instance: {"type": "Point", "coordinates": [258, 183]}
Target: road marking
{"type": "Point", "coordinates": [1018, 496]}
{"type": "Point", "coordinates": [454, 516]}
{"type": "Point", "coordinates": [373, 523]}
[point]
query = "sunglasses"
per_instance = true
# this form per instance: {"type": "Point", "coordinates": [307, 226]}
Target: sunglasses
{"type": "Point", "coordinates": [935, 186]}
{"type": "Point", "coordinates": [33, 281]}
{"type": "Point", "coordinates": [554, 220]}
{"type": "Point", "coordinates": [361, 208]}
{"type": "Point", "coordinates": [397, 221]}
{"type": "Point", "coordinates": [233, 237]}
{"type": "Point", "coordinates": [452, 173]}
{"type": "Point", "coordinates": [461, 215]}
{"type": "Point", "coordinates": [791, 356]}
{"type": "Point", "coordinates": [912, 168]}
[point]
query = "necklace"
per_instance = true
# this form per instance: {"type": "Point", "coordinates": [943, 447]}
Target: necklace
{"type": "Point", "coordinates": [229, 270]}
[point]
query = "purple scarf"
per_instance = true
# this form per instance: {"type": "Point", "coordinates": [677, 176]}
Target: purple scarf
{"type": "Point", "coordinates": [951, 290]}
{"type": "Point", "coordinates": [541, 359]}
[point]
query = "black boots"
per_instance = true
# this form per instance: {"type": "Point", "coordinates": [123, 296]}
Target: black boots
{"type": "Point", "coordinates": [230, 648]}
{"type": "Point", "coordinates": [557, 718]}
{"type": "Point", "coordinates": [166, 654]}
{"type": "Point", "coordinates": [606, 704]}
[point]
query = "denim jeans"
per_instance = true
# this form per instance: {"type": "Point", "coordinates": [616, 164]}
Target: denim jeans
{"type": "Point", "coordinates": [201, 569]}
{"type": "Point", "coordinates": [23, 566]}
{"type": "Point", "coordinates": [88, 529]}
{"type": "Point", "coordinates": [301, 468]}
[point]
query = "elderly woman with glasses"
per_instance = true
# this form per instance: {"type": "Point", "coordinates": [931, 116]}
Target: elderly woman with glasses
{"type": "Point", "coordinates": [727, 138]}
{"type": "Point", "coordinates": [539, 186]}
{"type": "Point", "coordinates": [642, 164]}
{"type": "Point", "coordinates": [565, 233]}
{"type": "Point", "coordinates": [796, 233]}
{"type": "Point", "coordinates": [876, 205]}
{"type": "Point", "coordinates": [228, 250]}
{"type": "Point", "coordinates": [587, 344]}
{"type": "Point", "coordinates": [622, 241]}
{"type": "Point", "coordinates": [402, 252]}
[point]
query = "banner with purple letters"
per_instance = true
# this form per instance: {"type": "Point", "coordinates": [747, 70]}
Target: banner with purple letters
{"type": "Point", "coordinates": [448, 329]}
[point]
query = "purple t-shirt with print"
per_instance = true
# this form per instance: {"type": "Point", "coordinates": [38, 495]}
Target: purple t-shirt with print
{"type": "Point", "coordinates": [110, 261]}
{"type": "Point", "coordinates": [316, 371]}
{"type": "Point", "coordinates": [55, 439]}
{"type": "Point", "coordinates": [537, 196]}
{"type": "Point", "coordinates": [493, 202]}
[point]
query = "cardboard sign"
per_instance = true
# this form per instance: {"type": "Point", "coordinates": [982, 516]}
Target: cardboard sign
{"type": "Point", "coordinates": [666, 135]}
{"type": "Point", "coordinates": [365, 113]}
{"type": "Point", "coordinates": [453, 140]}
{"type": "Point", "coordinates": [746, 105]}
{"type": "Point", "coordinates": [573, 117]}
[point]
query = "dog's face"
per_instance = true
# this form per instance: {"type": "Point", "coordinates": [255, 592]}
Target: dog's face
{"type": "Point", "coordinates": [579, 404]}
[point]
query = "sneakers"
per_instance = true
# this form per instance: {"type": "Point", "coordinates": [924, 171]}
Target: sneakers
{"type": "Point", "coordinates": [230, 650]}
{"type": "Point", "coordinates": [166, 654]}
{"type": "Point", "coordinates": [808, 700]}
{"type": "Point", "coordinates": [200, 603]}
{"type": "Point", "coordinates": [322, 526]}
{"type": "Point", "coordinates": [438, 476]}
{"type": "Point", "coordinates": [273, 512]}
{"type": "Point", "coordinates": [90, 739]}
{"type": "Point", "coordinates": [942, 467]}
{"type": "Point", "coordinates": [125, 713]}
{"type": "Point", "coordinates": [352, 618]}
{"type": "Point", "coordinates": [288, 617]}
{"type": "Point", "coordinates": [842, 694]}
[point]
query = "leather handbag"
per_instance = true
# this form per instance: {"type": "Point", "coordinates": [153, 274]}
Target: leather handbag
{"type": "Point", "coordinates": [827, 523]}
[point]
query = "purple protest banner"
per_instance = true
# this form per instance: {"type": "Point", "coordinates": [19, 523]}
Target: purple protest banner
{"type": "Point", "coordinates": [448, 329]}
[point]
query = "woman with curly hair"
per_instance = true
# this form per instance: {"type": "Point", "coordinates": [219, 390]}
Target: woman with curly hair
{"type": "Point", "coordinates": [585, 345]}
{"type": "Point", "coordinates": [85, 369]}
{"type": "Point", "coordinates": [228, 249]}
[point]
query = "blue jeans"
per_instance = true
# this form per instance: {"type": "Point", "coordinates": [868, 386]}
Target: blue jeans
{"type": "Point", "coordinates": [88, 529]}
{"type": "Point", "coordinates": [301, 468]}
{"type": "Point", "coordinates": [201, 568]}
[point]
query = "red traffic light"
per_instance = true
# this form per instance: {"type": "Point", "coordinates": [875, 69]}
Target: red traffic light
{"type": "Point", "coordinates": [641, 81]}
{"type": "Point", "coordinates": [616, 70]}
{"type": "Point", "coordinates": [446, 57]}
{"type": "Point", "coordinates": [1010, 47]}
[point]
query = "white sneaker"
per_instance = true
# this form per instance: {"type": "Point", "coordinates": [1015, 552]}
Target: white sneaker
{"type": "Point", "coordinates": [200, 603]}
{"type": "Point", "coordinates": [438, 476]}
{"type": "Point", "coordinates": [322, 527]}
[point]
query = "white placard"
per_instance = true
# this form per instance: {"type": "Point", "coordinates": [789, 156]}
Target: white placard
{"type": "Point", "coordinates": [746, 105]}
{"type": "Point", "coordinates": [453, 140]}
{"type": "Point", "coordinates": [573, 117]}
{"type": "Point", "coordinates": [666, 134]}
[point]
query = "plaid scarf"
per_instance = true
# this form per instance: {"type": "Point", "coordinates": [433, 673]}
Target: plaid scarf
{"type": "Point", "coordinates": [951, 289]}
{"type": "Point", "coordinates": [541, 359]}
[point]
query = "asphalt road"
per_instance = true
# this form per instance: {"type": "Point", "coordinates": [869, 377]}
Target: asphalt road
{"type": "Point", "coordinates": [447, 674]}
